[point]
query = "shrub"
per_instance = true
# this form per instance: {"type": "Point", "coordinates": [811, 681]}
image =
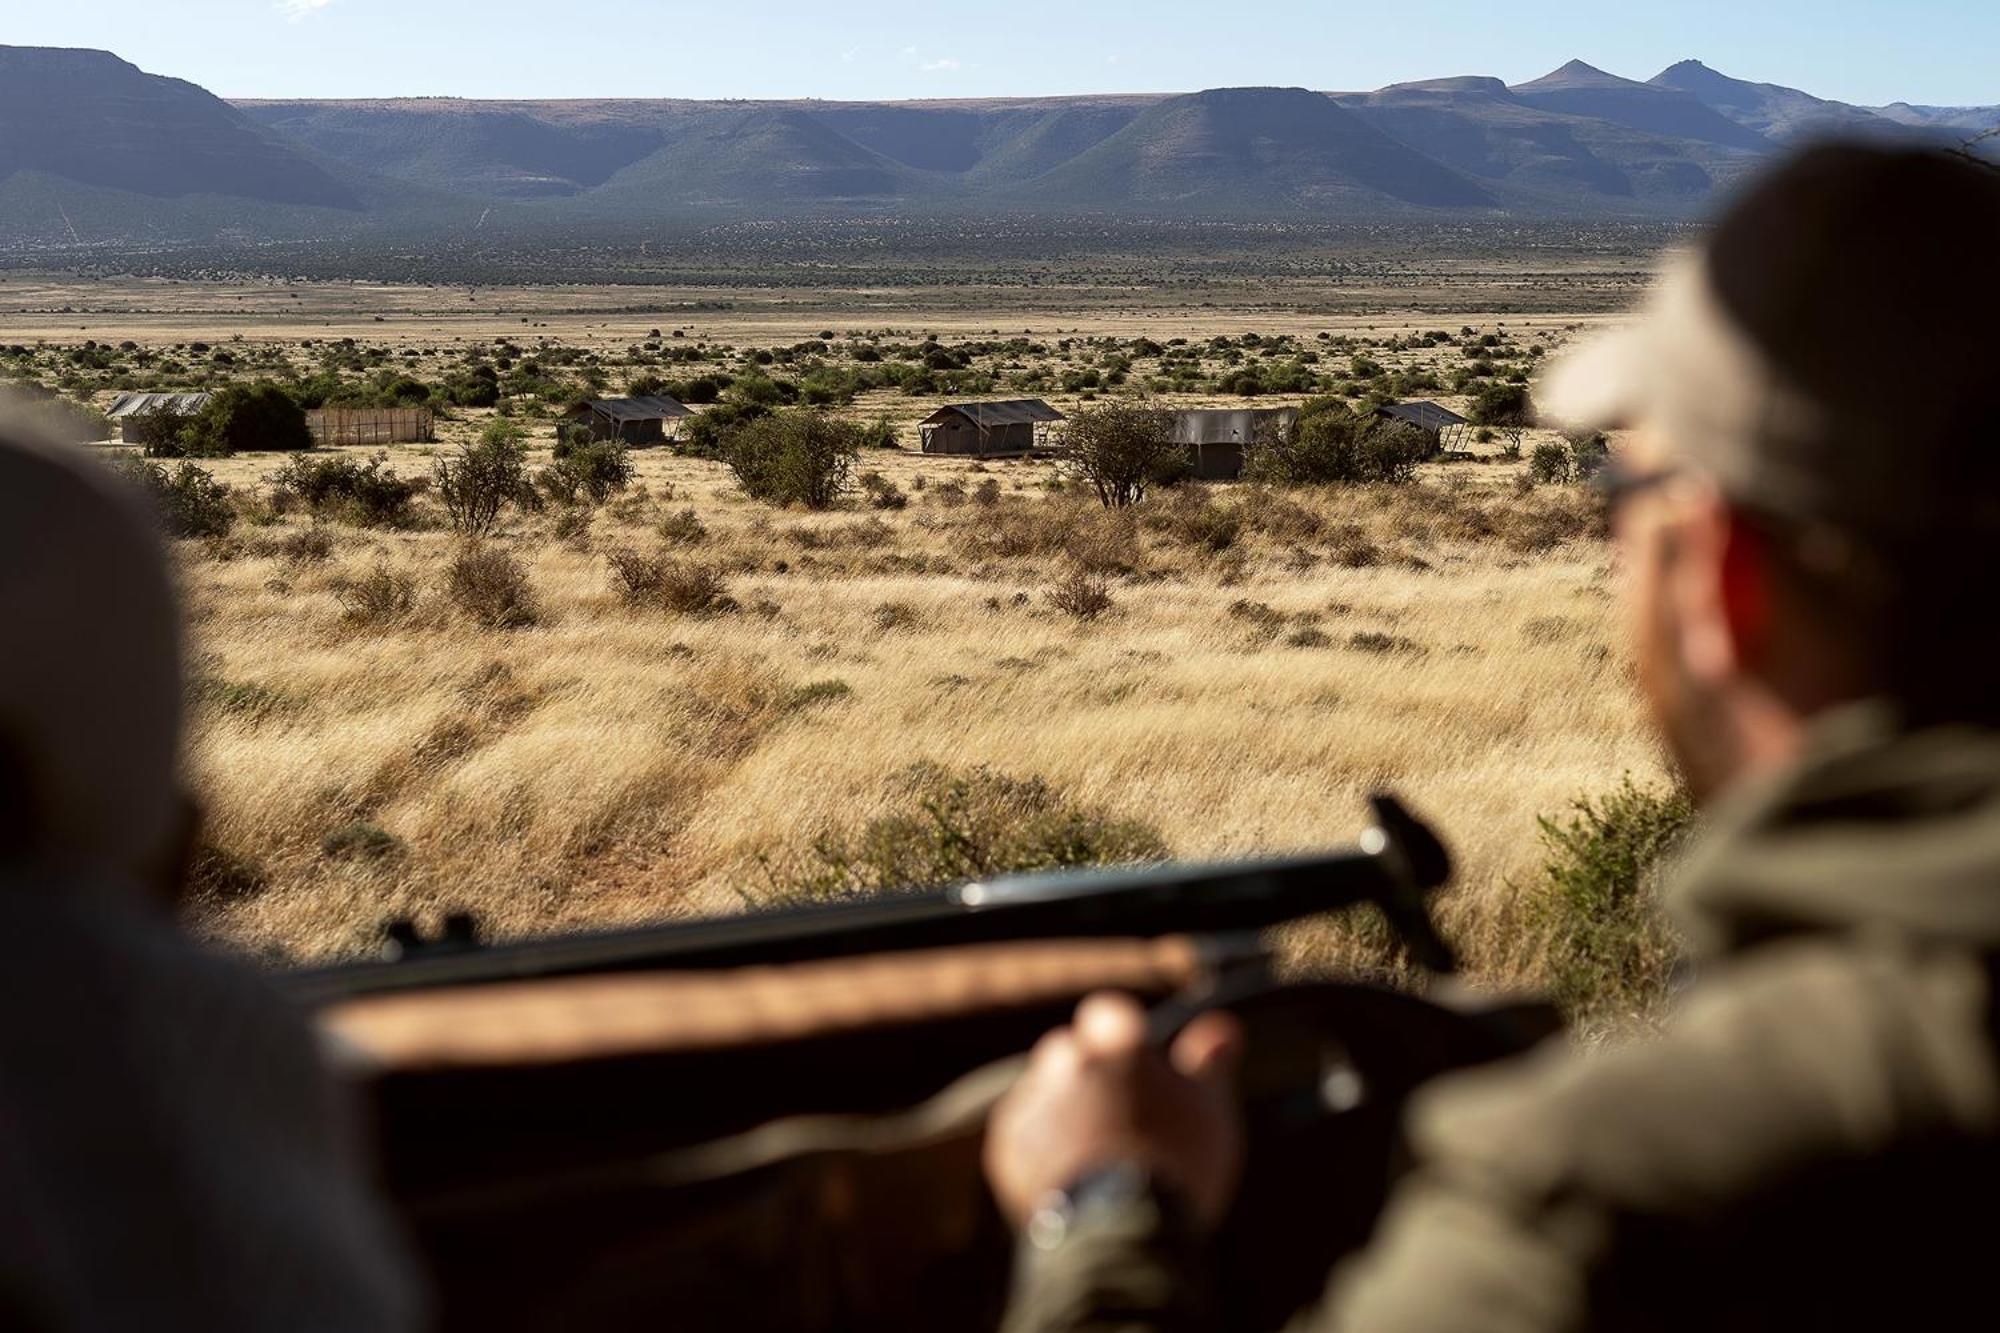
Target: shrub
{"type": "Point", "coordinates": [1549, 464]}
{"type": "Point", "coordinates": [597, 470]}
{"type": "Point", "coordinates": [1081, 595]}
{"type": "Point", "coordinates": [359, 840]}
{"type": "Point", "coordinates": [159, 433]}
{"type": "Point", "coordinates": [479, 482]}
{"type": "Point", "coordinates": [1506, 408]}
{"type": "Point", "coordinates": [683, 529]}
{"type": "Point", "coordinates": [378, 597]}
{"type": "Point", "coordinates": [683, 587]}
{"type": "Point", "coordinates": [813, 693]}
{"type": "Point", "coordinates": [247, 418]}
{"type": "Point", "coordinates": [336, 486]}
{"type": "Point", "coordinates": [883, 493]}
{"type": "Point", "coordinates": [1118, 448]}
{"type": "Point", "coordinates": [308, 547]}
{"type": "Point", "coordinates": [188, 501]}
{"type": "Point", "coordinates": [1610, 950]}
{"type": "Point", "coordinates": [491, 587]}
{"type": "Point", "coordinates": [954, 826]}
{"type": "Point", "coordinates": [1331, 443]}
{"type": "Point", "coordinates": [794, 457]}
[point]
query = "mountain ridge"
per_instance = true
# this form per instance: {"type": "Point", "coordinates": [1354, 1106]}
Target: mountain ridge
{"type": "Point", "coordinates": [151, 157]}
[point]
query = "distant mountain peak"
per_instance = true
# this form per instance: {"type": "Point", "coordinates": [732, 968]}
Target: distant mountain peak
{"type": "Point", "coordinates": [1579, 69]}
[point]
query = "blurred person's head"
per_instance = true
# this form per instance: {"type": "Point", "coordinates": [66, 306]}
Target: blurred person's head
{"type": "Point", "coordinates": [90, 673]}
{"type": "Point", "coordinates": [1808, 504]}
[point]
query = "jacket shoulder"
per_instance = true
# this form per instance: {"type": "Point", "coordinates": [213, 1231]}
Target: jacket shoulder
{"type": "Point", "coordinates": [1793, 1055]}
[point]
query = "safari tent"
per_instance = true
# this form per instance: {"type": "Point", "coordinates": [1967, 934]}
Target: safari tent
{"type": "Point", "coordinates": [641, 420]}
{"type": "Point", "coordinates": [1443, 425]}
{"type": "Point", "coordinates": [1216, 438]}
{"type": "Point", "coordinates": [130, 405]}
{"type": "Point", "coordinates": [986, 430]}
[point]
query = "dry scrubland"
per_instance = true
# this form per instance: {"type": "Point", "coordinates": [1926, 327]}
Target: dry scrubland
{"type": "Point", "coordinates": [613, 763]}
{"type": "Point", "coordinates": [368, 749]}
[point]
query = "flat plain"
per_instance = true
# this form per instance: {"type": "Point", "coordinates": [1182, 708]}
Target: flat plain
{"type": "Point", "coordinates": [1268, 657]}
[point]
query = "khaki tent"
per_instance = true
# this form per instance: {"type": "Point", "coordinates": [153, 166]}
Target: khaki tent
{"type": "Point", "coordinates": [634, 420]}
{"type": "Point", "coordinates": [986, 430]}
{"type": "Point", "coordinates": [1216, 438]}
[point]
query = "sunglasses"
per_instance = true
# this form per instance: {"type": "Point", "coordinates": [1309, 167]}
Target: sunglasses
{"type": "Point", "coordinates": [1617, 481]}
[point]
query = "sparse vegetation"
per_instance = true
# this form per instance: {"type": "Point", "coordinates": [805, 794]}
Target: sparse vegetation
{"type": "Point", "coordinates": [801, 457]}
{"type": "Point", "coordinates": [1610, 949]}
{"type": "Point", "coordinates": [948, 826]}
{"type": "Point", "coordinates": [483, 479]}
{"type": "Point", "coordinates": [336, 486]}
{"type": "Point", "coordinates": [491, 587]}
{"type": "Point", "coordinates": [189, 501]}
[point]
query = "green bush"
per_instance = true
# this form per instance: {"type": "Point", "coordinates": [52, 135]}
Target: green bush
{"type": "Point", "coordinates": [159, 433]}
{"type": "Point", "coordinates": [801, 457]}
{"type": "Point", "coordinates": [596, 471]}
{"type": "Point", "coordinates": [248, 418]}
{"type": "Point", "coordinates": [1549, 464]}
{"type": "Point", "coordinates": [336, 486]}
{"type": "Point", "coordinates": [188, 501]}
{"type": "Point", "coordinates": [1610, 950]}
{"type": "Point", "coordinates": [1331, 443]}
{"type": "Point", "coordinates": [959, 825]}
{"type": "Point", "coordinates": [477, 484]}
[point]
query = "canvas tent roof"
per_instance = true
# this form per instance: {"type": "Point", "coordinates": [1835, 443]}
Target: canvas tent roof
{"type": "Point", "coordinates": [1424, 415]}
{"type": "Point", "coordinates": [987, 415]}
{"type": "Point", "coordinates": [647, 407]}
{"type": "Point", "coordinates": [138, 404]}
{"type": "Point", "coordinates": [1230, 425]}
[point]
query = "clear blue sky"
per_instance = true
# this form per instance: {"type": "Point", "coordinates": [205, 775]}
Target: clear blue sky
{"type": "Point", "coordinates": [1936, 51]}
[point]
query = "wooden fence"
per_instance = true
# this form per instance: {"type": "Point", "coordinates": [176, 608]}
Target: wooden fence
{"type": "Point", "coordinates": [372, 425]}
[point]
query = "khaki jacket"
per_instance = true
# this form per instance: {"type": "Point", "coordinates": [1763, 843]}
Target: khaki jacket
{"type": "Point", "coordinates": [1799, 1148]}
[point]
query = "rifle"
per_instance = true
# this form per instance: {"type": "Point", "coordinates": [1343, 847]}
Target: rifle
{"type": "Point", "coordinates": [773, 1120]}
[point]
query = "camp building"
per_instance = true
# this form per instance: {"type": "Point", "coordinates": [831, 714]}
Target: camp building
{"type": "Point", "coordinates": [641, 420]}
{"type": "Point", "coordinates": [1215, 438]}
{"type": "Point", "coordinates": [129, 405]}
{"type": "Point", "coordinates": [1443, 425]}
{"type": "Point", "coordinates": [987, 430]}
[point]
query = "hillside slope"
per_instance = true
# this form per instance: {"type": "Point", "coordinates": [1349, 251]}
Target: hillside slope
{"type": "Point", "coordinates": [1249, 150]}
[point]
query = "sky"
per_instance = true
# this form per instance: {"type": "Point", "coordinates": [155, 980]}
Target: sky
{"type": "Point", "coordinates": [1928, 51]}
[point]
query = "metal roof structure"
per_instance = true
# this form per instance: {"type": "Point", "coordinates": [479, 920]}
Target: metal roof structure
{"type": "Point", "coordinates": [648, 407]}
{"type": "Point", "coordinates": [1231, 425]}
{"type": "Point", "coordinates": [1014, 412]}
{"type": "Point", "coordinates": [138, 404]}
{"type": "Point", "coordinates": [1423, 414]}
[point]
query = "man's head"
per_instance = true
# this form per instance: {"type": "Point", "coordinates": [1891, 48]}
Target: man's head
{"type": "Point", "coordinates": [90, 679]}
{"type": "Point", "coordinates": [1813, 483]}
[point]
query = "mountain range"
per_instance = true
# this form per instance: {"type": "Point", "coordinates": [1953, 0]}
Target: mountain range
{"type": "Point", "coordinates": [92, 149]}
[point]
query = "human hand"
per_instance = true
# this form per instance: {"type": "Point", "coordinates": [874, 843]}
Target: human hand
{"type": "Point", "coordinates": [1096, 1094]}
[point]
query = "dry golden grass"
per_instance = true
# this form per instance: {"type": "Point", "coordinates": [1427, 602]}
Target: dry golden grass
{"type": "Point", "coordinates": [617, 761]}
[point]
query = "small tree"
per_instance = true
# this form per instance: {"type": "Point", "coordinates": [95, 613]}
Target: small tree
{"type": "Point", "coordinates": [479, 482]}
{"type": "Point", "coordinates": [1119, 449]}
{"type": "Point", "coordinates": [801, 456]}
{"type": "Point", "coordinates": [159, 433]}
{"type": "Point", "coordinates": [597, 470]}
{"type": "Point", "coordinates": [1507, 409]}
{"type": "Point", "coordinates": [246, 418]}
